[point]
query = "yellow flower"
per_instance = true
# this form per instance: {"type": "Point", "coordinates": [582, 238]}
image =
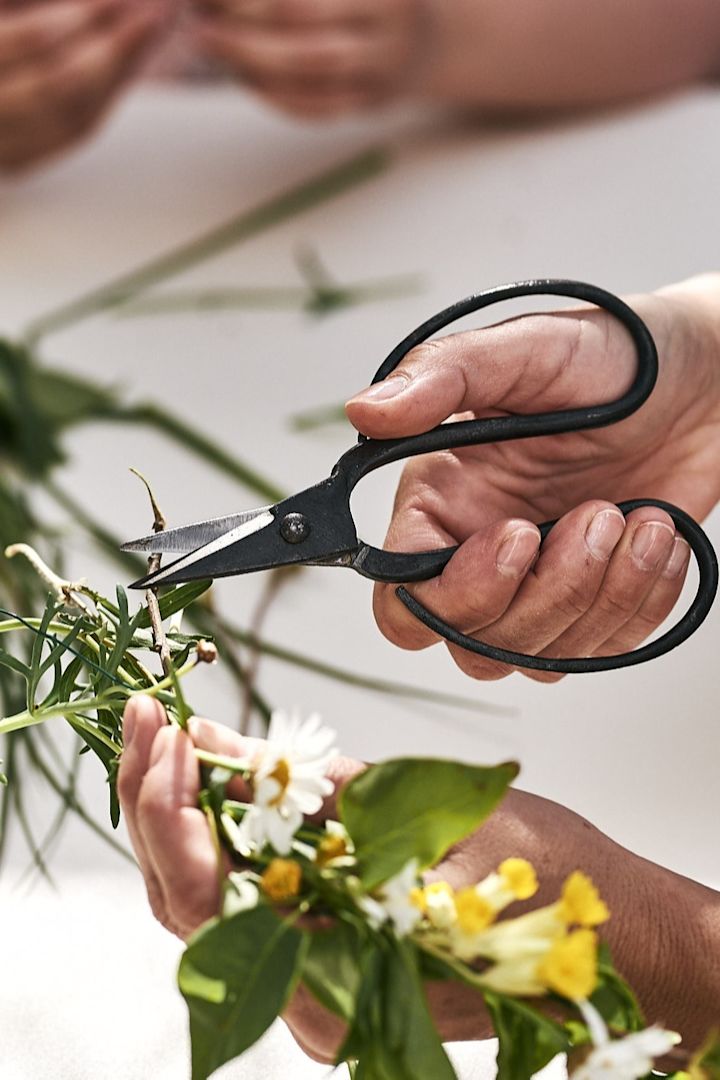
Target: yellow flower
{"type": "Point", "coordinates": [519, 878]}
{"type": "Point", "coordinates": [281, 880]}
{"type": "Point", "coordinates": [580, 903]}
{"type": "Point", "coordinates": [474, 912]}
{"type": "Point", "coordinates": [330, 847]}
{"type": "Point", "coordinates": [570, 965]}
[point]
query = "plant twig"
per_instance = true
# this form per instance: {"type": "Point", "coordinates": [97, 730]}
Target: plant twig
{"type": "Point", "coordinates": [158, 631]}
{"type": "Point", "coordinates": [273, 583]}
{"type": "Point", "coordinates": [303, 197]}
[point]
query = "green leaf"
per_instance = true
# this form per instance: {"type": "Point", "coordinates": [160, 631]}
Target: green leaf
{"type": "Point", "coordinates": [417, 808]}
{"type": "Point", "coordinates": [614, 999]}
{"type": "Point", "coordinates": [527, 1040]}
{"type": "Point", "coordinates": [236, 976]}
{"type": "Point", "coordinates": [707, 1059]}
{"type": "Point", "coordinates": [332, 968]}
{"type": "Point", "coordinates": [175, 600]}
{"type": "Point", "coordinates": [51, 609]}
{"type": "Point", "coordinates": [393, 1036]}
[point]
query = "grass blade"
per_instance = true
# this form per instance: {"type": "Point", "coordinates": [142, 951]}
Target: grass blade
{"type": "Point", "coordinates": [303, 197]}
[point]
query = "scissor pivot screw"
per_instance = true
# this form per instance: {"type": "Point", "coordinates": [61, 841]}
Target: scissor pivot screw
{"type": "Point", "coordinates": [294, 528]}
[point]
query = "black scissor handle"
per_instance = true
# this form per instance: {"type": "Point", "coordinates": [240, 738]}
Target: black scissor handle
{"type": "Point", "coordinates": [371, 454]}
{"type": "Point", "coordinates": [688, 624]}
{"type": "Point", "coordinates": [417, 566]}
{"type": "Point", "coordinates": [501, 428]}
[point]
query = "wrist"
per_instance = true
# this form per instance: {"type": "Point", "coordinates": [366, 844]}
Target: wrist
{"type": "Point", "coordinates": [665, 937]}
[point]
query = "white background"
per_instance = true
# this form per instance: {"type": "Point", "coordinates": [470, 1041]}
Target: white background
{"type": "Point", "coordinates": [627, 200]}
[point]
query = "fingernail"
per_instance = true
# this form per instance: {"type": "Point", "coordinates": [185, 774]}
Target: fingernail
{"type": "Point", "coordinates": [679, 558]}
{"type": "Point", "coordinates": [603, 533]}
{"type": "Point", "coordinates": [382, 391]}
{"type": "Point", "coordinates": [517, 551]}
{"type": "Point", "coordinates": [651, 543]}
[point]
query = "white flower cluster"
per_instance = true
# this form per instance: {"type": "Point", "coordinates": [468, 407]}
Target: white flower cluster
{"type": "Point", "coordinates": [289, 781]}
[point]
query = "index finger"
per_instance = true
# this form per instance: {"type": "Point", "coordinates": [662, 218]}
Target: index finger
{"type": "Point", "coordinates": [176, 834]}
{"type": "Point", "coordinates": [27, 34]}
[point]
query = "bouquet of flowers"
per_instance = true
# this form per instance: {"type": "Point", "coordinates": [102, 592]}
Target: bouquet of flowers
{"type": "Point", "coordinates": [346, 901]}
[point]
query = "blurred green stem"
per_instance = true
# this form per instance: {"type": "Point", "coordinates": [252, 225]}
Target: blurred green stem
{"type": "Point", "coordinates": [276, 210]}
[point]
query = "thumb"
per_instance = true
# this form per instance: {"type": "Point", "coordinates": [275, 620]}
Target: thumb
{"type": "Point", "coordinates": [535, 363]}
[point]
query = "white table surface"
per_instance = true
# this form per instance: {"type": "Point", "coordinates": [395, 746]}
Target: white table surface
{"type": "Point", "coordinates": [625, 199]}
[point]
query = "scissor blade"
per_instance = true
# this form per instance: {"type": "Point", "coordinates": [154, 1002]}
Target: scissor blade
{"type": "Point", "coordinates": [209, 560]}
{"type": "Point", "coordinates": [188, 538]}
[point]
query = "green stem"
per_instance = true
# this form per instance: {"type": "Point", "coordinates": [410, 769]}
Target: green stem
{"type": "Point", "coordinates": [71, 801]}
{"type": "Point", "coordinates": [303, 197]}
{"type": "Point", "coordinates": [222, 762]}
{"type": "Point", "coordinates": [26, 719]}
{"type": "Point", "coordinates": [191, 439]}
{"type": "Point", "coordinates": [318, 301]}
{"type": "Point", "coordinates": [352, 678]}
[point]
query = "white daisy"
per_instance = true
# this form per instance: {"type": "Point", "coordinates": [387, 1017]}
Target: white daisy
{"type": "Point", "coordinates": [395, 900]}
{"type": "Point", "coordinates": [241, 893]}
{"type": "Point", "coordinates": [289, 780]}
{"type": "Point", "coordinates": [627, 1058]}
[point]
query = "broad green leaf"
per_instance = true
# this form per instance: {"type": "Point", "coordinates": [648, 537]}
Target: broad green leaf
{"type": "Point", "coordinates": [614, 999]}
{"type": "Point", "coordinates": [527, 1040]}
{"type": "Point", "coordinates": [393, 1036]}
{"type": "Point", "coordinates": [415, 808]}
{"type": "Point", "coordinates": [332, 968]}
{"type": "Point", "coordinates": [236, 976]}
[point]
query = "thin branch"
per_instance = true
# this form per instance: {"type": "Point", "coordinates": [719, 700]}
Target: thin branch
{"type": "Point", "coordinates": [156, 624]}
{"type": "Point", "coordinates": [302, 197]}
{"type": "Point", "coordinates": [273, 584]}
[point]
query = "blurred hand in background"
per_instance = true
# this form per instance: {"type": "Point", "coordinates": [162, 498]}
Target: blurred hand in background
{"type": "Point", "coordinates": [319, 58]}
{"type": "Point", "coordinates": [62, 63]}
{"type": "Point", "coordinates": [315, 58]}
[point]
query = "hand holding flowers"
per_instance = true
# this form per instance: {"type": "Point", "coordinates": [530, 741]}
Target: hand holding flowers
{"type": "Point", "coordinates": [339, 905]}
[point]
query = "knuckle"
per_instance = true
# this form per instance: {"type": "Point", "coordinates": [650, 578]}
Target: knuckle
{"type": "Point", "coordinates": [152, 799]}
{"type": "Point", "coordinates": [575, 599]}
{"type": "Point", "coordinates": [617, 605]}
{"type": "Point", "coordinates": [126, 783]}
{"type": "Point", "coordinates": [157, 903]}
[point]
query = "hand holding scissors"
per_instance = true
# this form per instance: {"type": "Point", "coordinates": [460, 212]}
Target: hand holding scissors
{"type": "Point", "coordinates": [316, 527]}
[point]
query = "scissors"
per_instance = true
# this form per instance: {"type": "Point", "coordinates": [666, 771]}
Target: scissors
{"type": "Point", "coordinates": [316, 528]}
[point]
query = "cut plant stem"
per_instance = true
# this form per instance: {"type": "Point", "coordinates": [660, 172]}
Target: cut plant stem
{"type": "Point", "coordinates": [303, 197]}
{"type": "Point", "coordinates": [318, 301]}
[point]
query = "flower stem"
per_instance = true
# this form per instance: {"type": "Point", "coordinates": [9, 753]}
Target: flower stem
{"type": "Point", "coordinates": [242, 227]}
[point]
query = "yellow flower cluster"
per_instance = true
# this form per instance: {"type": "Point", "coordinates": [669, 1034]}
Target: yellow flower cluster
{"type": "Point", "coordinates": [281, 880]}
{"type": "Point", "coordinates": [551, 948]}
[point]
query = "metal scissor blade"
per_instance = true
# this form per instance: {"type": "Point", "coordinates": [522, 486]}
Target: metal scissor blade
{"type": "Point", "coordinates": [188, 538]}
{"type": "Point", "coordinates": [314, 525]}
{"type": "Point", "coordinates": [208, 560]}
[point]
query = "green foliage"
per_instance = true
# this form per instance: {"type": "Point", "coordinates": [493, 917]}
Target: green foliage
{"type": "Point", "coordinates": [706, 1062]}
{"type": "Point", "coordinates": [236, 976]}
{"type": "Point", "coordinates": [527, 1039]}
{"type": "Point", "coordinates": [393, 1036]}
{"type": "Point", "coordinates": [332, 967]}
{"type": "Point", "coordinates": [411, 808]}
{"type": "Point", "coordinates": [37, 405]}
{"type": "Point", "coordinates": [614, 999]}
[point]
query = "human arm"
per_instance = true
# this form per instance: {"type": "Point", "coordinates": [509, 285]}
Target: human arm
{"type": "Point", "coordinates": [61, 65]}
{"type": "Point", "coordinates": [322, 58]}
{"type": "Point", "coordinates": [599, 585]}
{"type": "Point", "coordinates": [663, 933]}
